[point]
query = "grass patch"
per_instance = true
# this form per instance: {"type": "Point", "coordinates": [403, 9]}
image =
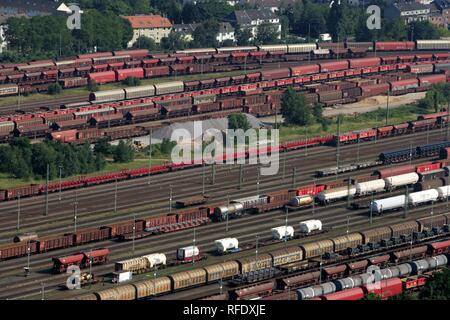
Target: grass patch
{"type": "Point", "coordinates": [352, 122]}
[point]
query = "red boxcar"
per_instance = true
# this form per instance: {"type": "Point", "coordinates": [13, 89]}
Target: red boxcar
{"type": "Point", "coordinates": [350, 294]}
{"type": "Point", "coordinates": [429, 166]}
{"type": "Point", "coordinates": [427, 81]}
{"type": "Point", "coordinates": [102, 77]}
{"type": "Point", "coordinates": [441, 247]}
{"type": "Point", "coordinates": [333, 66]}
{"type": "Point", "coordinates": [394, 45]}
{"type": "Point", "coordinates": [302, 70]}
{"type": "Point", "coordinates": [364, 62]}
{"type": "Point", "coordinates": [157, 72]}
{"type": "Point", "coordinates": [125, 73]}
{"type": "Point", "coordinates": [385, 288]}
{"type": "Point", "coordinates": [153, 223]}
{"type": "Point", "coordinates": [395, 171]}
{"type": "Point", "coordinates": [311, 190]}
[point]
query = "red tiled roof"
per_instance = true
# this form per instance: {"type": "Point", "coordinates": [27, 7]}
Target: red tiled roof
{"type": "Point", "coordinates": [153, 21]}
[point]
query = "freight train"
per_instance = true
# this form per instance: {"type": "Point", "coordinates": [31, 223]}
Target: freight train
{"type": "Point", "coordinates": [36, 76]}
{"type": "Point", "coordinates": [176, 99]}
{"type": "Point", "coordinates": [81, 260]}
{"type": "Point", "coordinates": [383, 280]}
{"type": "Point", "coordinates": [300, 197]}
{"type": "Point", "coordinates": [246, 268]}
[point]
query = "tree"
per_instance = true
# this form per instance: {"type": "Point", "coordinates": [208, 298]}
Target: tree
{"type": "Point", "coordinates": [173, 42]}
{"type": "Point", "coordinates": [144, 42]}
{"type": "Point", "coordinates": [267, 34]}
{"type": "Point", "coordinates": [238, 121]}
{"type": "Point", "coordinates": [438, 288]}
{"type": "Point", "coordinates": [295, 109]}
{"type": "Point", "coordinates": [371, 296]}
{"type": "Point", "coordinates": [423, 30]}
{"type": "Point", "coordinates": [123, 152]}
{"type": "Point", "coordinates": [317, 112]}
{"type": "Point", "coordinates": [54, 89]}
{"type": "Point", "coordinates": [243, 36]}
{"type": "Point", "coordinates": [132, 81]}
{"type": "Point", "coordinates": [92, 86]}
{"type": "Point", "coordinates": [205, 35]}
{"type": "Point", "coordinates": [102, 146]}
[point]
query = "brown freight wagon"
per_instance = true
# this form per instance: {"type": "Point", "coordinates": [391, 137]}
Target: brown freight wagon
{"type": "Point", "coordinates": [143, 115]}
{"type": "Point", "coordinates": [380, 260]}
{"type": "Point", "coordinates": [69, 124]}
{"type": "Point", "coordinates": [352, 92]}
{"type": "Point", "coordinates": [330, 96]}
{"type": "Point", "coordinates": [300, 280]}
{"type": "Point", "coordinates": [188, 279]}
{"type": "Point", "coordinates": [286, 256]}
{"type": "Point", "coordinates": [281, 196]}
{"type": "Point", "coordinates": [374, 90]}
{"type": "Point", "coordinates": [19, 249]}
{"type": "Point", "coordinates": [91, 235]}
{"type": "Point", "coordinates": [394, 171]}
{"type": "Point", "coordinates": [74, 82]}
{"type": "Point", "coordinates": [55, 242]}
{"type": "Point", "coordinates": [263, 261]}
{"type": "Point", "coordinates": [376, 235]}
{"type": "Point", "coordinates": [176, 111]}
{"type": "Point", "coordinates": [331, 273]}
{"type": "Point", "coordinates": [153, 287]}
{"type": "Point", "coordinates": [231, 103]}
{"type": "Point", "coordinates": [432, 222]}
{"type": "Point", "coordinates": [126, 227]}
{"type": "Point", "coordinates": [254, 291]}
{"type": "Point", "coordinates": [206, 107]}
{"type": "Point", "coordinates": [191, 201]}
{"type": "Point", "coordinates": [357, 267]}
{"type": "Point", "coordinates": [409, 254]}
{"type": "Point", "coordinates": [405, 228]}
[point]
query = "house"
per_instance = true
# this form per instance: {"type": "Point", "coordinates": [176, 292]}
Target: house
{"type": "Point", "coordinates": [186, 30]}
{"type": "Point", "coordinates": [23, 8]}
{"type": "Point", "coordinates": [436, 16]}
{"type": "Point", "coordinates": [408, 11]}
{"type": "Point", "coordinates": [226, 31]}
{"type": "Point", "coordinates": [444, 8]}
{"type": "Point", "coordinates": [253, 18]}
{"type": "Point", "coordinates": [154, 27]}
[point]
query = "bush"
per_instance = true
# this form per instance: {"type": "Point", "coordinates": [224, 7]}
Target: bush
{"type": "Point", "coordinates": [54, 89]}
{"type": "Point", "coordinates": [132, 82]}
{"type": "Point", "coordinates": [92, 86]}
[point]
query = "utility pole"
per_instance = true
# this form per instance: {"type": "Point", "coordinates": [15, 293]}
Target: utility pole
{"type": "Point", "coordinates": [338, 138]}
{"type": "Point", "coordinates": [387, 107]}
{"type": "Point", "coordinates": [371, 210]}
{"type": "Point", "coordinates": [193, 245]}
{"type": "Point", "coordinates": [284, 167]}
{"type": "Point", "coordinates": [46, 191]}
{"type": "Point", "coordinates": [294, 171]}
{"type": "Point", "coordinates": [256, 250]}
{"type": "Point", "coordinates": [170, 200]}
{"type": "Point", "coordinates": [60, 181]}
{"type": "Point", "coordinates": [18, 212]}
{"type": "Point", "coordinates": [286, 225]}
{"type": "Point", "coordinates": [349, 197]}
{"type": "Point", "coordinates": [75, 211]}
{"type": "Point", "coordinates": [203, 179]}
{"type": "Point", "coordinates": [42, 291]}
{"type": "Point", "coordinates": [406, 203]}
{"type": "Point", "coordinates": [228, 205]}
{"type": "Point", "coordinates": [115, 197]}
{"type": "Point", "coordinates": [241, 168]}
{"type": "Point", "coordinates": [134, 230]}
{"type": "Point", "coordinates": [257, 180]}
{"type": "Point", "coordinates": [149, 157]}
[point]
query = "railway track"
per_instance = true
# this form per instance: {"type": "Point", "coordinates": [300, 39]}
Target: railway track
{"type": "Point", "coordinates": [137, 198]}
{"type": "Point", "coordinates": [13, 285]}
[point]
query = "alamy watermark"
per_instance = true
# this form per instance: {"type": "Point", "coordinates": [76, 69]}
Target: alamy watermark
{"type": "Point", "coordinates": [74, 20]}
{"type": "Point", "coordinates": [374, 20]}
{"type": "Point", "coordinates": [255, 142]}
{"type": "Point", "coordinates": [74, 280]}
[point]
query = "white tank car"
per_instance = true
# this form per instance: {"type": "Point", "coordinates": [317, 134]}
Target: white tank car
{"type": "Point", "coordinates": [386, 204]}
{"type": "Point", "coordinates": [279, 233]}
{"type": "Point", "coordinates": [369, 187]}
{"type": "Point", "coordinates": [336, 194]}
{"type": "Point", "coordinates": [226, 244]}
{"type": "Point", "coordinates": [417, 198]}
{"type": "Point", "coordinates": [309, 226]}
{"type": "Point", "coordinates": [401, 180]}
{"type": "Point", "coordinates": [156, 259]}
{"type": "Point", "coordinates": [444, 192]}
